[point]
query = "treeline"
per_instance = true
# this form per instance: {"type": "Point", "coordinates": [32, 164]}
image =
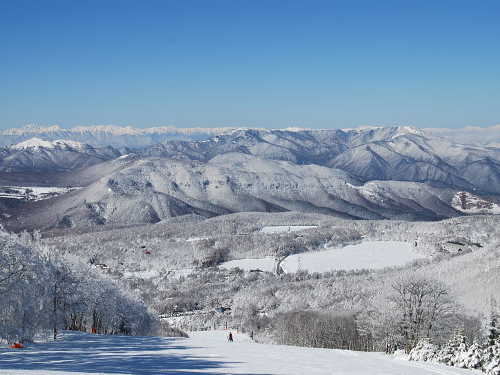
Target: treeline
{"type": "Point", "coordinates": [40, 291]}
{"type": "Point", "coordinates": [459, 351]}
{"type": "Point", "coordinates": [411, 308]}
{"type": "Point", "coordinates": [383, 311]}
{"type": "Point", "coordinates": [317, 329]}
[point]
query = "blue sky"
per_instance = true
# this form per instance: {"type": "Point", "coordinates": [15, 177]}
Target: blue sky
{"type": "Point", "coordinates": [273, 63]}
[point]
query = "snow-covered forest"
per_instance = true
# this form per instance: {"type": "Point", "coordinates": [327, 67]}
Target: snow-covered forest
{"type": "Point", "coordinates": [41, 290]}
{"type": "Point", "coordinates": [173, 268]}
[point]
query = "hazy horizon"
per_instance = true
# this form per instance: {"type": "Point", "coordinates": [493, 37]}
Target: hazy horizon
{"type": "Point", "coordinates": [250, 63]}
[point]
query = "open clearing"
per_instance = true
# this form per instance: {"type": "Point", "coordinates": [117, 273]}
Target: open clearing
{"type": "Point", "coordinates": [369, 255]}
{"type": "Point", "coordinates": [286, 228]}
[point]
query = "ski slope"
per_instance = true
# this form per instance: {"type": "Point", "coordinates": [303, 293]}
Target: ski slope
{"type": "Point", "coordinates": [202, 353]}
{"type": "Point", "coordinates": [365, 255]}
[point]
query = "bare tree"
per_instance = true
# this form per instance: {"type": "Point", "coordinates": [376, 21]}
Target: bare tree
{"type": "Point", "coordinates": [420, 304]}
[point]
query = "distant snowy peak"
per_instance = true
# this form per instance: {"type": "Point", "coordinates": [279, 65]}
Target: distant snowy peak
{"type": "Point", "coordinates": [36, 143]}
{"type": "Point", "coordinates": [116, 130]}
{"type": "Point", "coordinates": [109, 135]}
{"type": "Point", "coordinates": [32, 128]}
{"type": "Point", "coordinates": [471, 204]}
{"type": "Point", "coordinates": [116, 136]}
{"type": "Point", "coordinates": [129, 130]}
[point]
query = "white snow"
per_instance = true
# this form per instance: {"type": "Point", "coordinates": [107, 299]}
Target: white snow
{"type": "Point", "coordinates": [141, 274]}
{"type": "Point", "coordinates": [286, 228]}
{"type": "Point", "coordinates": [176, 274]}
{"type": "Point", "coordinates": [37, 142]}
{"type": "Point", "coordinates": [368, 254]}
{"type": "Point", "coordinates": [195, 239]}
{"type": "Point", "coordinates": [32, 193]}
{"type": "Point", "coordinates": [264, 264]}
{"type": "Point", "coordinates": [204, 352]}
{"type": "Point", "coordinates": [471, 204]}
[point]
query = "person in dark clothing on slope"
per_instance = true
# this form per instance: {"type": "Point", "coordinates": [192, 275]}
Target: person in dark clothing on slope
{"type": "Point", "coordinates": [230, 337]}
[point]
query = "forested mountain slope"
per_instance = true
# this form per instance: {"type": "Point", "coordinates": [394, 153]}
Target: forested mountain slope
{"type": "Point", "coordinates": [36, 155]}
{"type": "Point", "coordinates": [389, 153]}
{"type": "Point", "coordinates": [152, 189]}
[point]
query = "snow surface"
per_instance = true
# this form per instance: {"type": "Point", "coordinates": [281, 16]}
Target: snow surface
{"type": "Point", "coordinates": [263, 264]}
{"type": "Point", "coordinates": [37, 142]}
{"type": "Point", "coordinates": [286, 228]}
{"type": "Point", "coordinates": [141, 274]}
{"type": "Point", "coordinates": [368, 254]}
{"type": "Point", "coordinates": [203, 353]}
{"type": "Point", "coordinates": [471, 204]}
{"type": "Point", "coordinates": [32, 193]}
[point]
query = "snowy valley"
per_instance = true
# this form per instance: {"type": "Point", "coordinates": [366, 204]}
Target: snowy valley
{"type": "Point", "coordinates": [304, 238]}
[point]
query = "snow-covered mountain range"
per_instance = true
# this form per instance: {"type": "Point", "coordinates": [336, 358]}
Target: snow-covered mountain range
{"type": "Point", "coordinates": [369, 173]}
{"type": "Point", "coordinates": [107, 135]}
{"type": "Point", "coordinates": [388, 153]}
{"type": "Point", "coordinates": [37, 155]}
{"type": "Point", "coordinates": [148, 190]}
{"type": "Point", "coordinates": [116, 136]}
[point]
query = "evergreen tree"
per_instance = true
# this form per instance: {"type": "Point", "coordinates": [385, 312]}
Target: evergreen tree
{"type": "Point", "coordinates": [493, 333]}
{"type": "Point", "coordinates": [491, 359]}
{"type": "Point", "coordinates": [491, 352]}
{"type": "Point", "coordinates": [454, 352]}
{"type": "Point", "coordinates": [425, 350]}
{"type": "Point", "coordinates": [474, 356]}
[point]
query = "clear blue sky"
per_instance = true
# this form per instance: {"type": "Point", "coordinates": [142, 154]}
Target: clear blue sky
{"type": "Point", "coordinates": [268, 63]}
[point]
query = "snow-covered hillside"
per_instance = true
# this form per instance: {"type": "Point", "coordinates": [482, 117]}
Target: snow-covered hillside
{"type": "Point", "coordinates": [154, 189]}
{"type": "Point", "coordinates": [202, 353]}
{"type": "Point", "coordinates": [37, 143]}
{"type": "Point", "coordinates": [37, 155]}
{"type": "Point", "coordinates": [472, 204]}
{"type": "Point", "coordinates": [286, 228]}
{"type": "Point", "coordinates": [32, 193]}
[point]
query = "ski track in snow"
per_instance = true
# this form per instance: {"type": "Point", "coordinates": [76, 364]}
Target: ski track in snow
{"type": "Point", "coordinates": [202, 353]}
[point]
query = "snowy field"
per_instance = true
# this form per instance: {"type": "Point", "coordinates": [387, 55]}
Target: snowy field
{"type": "Point", "coordinates": [202, 353]}
{"type": "Point", "coordinates": [286, 228]}
{"type": "Point", "coordinates": [369, 255]}
{"type": "Point", "coordinates": [32, 193]}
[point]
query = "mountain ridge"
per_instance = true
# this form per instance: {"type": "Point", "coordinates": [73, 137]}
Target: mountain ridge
{"type": "Point", "coordinates": [371, 173]}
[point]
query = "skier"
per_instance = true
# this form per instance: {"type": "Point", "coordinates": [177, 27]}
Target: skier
{"type": "Point", "coordinates": [230, 337]}
{"type": "Point", "coordinates": [251, 335]}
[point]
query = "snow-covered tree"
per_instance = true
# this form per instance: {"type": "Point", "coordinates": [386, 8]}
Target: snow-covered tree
{"type": "Point", "coordinates": [40, 291]}
{"type": "Point", "coordinates": [493, 329]}
{"type": "Point", "coordinates": [491, 359]}
{"type": "Point", "coordinates": [425, 350]}
{"type": "Point", "coordinates": [455, 351]}
{"type": "Point", "coordinates": [474, 356]}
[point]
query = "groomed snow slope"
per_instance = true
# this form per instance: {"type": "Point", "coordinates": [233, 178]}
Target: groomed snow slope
{"type": "Point", "coordinates": [202, 353]}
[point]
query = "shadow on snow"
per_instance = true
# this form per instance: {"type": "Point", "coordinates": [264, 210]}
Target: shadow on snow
{"type": "Point", "coordinates": [91, 353]}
